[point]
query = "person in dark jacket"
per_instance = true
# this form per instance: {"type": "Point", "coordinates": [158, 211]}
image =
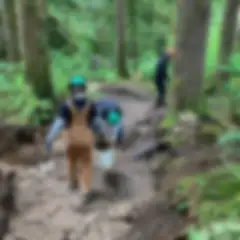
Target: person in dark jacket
{"type": "Point", "coordinates": [161, 75]}
{"type": "Point", "coordinates": [109, 131]}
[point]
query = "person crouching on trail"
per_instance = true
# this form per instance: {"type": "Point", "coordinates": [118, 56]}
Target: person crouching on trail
{"type": "Point", "coordinates": [76, 116]}
{"type": "Point", "coordinates": [108, 129]}
{"type": "Point", "coordinates": [108, 125]}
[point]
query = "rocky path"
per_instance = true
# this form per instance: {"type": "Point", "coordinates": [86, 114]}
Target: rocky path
{"type": "Point", "coordinates": [45, 211]}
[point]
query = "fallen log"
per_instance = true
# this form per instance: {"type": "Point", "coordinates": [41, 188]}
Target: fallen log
{"type": "Point", "coordinates": [151, 148]}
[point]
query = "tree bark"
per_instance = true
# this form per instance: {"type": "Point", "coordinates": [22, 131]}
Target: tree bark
{"type": "Point", "coordinates": [228, 34]}
{"type": "Point", "coordinates": [35, 48]}
{"type": "Point", "coordinates": [120, 41]}
{"type": "Point", "coordinates": [191, 35]}
{"type": "Point", "coordinates": [132, 12]}
{"type": "Point", "coordinates": [11, 30]}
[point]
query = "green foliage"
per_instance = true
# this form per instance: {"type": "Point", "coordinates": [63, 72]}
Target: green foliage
{"type": "Point", "coordinates": [213, 39]}
{"type": "Point", "coordinates": [220, 230]}
{"type": "Point", "coordinates": [182, 206]}
{"type": "Point", "coordinates": [91, 38]}
{"type": "Point", "coordinates": [229, 144]}
{"type": "Point", "coordinates": [218, 194]}
{"type": "Point", "coordinates": [20, 104]}
{"type": "Point", "coordinates": [89, 43]}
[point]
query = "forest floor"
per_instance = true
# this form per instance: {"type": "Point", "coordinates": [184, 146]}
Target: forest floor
{"type": "Point", "coordinates": [44, 206]}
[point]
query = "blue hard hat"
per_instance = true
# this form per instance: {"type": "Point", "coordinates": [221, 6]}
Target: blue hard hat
{"type": "Point", "coordinates": [113, 118]}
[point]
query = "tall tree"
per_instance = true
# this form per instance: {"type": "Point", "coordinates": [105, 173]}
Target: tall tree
{"type": "Point", "coordinates": [120, 41]}
{"type": "Point", "coordinates": [11, 30]}
{"type": "Point", "coordinates": [191, 34]}
{"type": "Point", "coordinates": [132, 15]}
{"type": "Point", "coordinates": [228, 34]}
{"type": "Point", "coordinates": [32, 21]}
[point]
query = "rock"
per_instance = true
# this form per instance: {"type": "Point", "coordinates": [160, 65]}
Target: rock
{"type": "Point", "coordinates": [186, 129]}
{"type": "Point", "coordinates": [117, 183]}
{"type": "Point", "coordinates": [36, 215]}
{"type": "Point", "coordinates": [123, 212]}
{"type": "Point", "coordinates": [188, 118]}
{"type": "Point", "coordinates": [209, 132]}
{"type": "Point", "coordinates": [65, 219]}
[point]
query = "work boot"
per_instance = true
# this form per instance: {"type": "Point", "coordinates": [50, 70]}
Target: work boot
{"type": "Point", "coordinates": [73, 185]}
{"type": "Point", "coordinates": [160, 102]}
{"type": "Point", "coordinates": [79, 199]}
{"type": "Point", "coordinates": [74, 193]}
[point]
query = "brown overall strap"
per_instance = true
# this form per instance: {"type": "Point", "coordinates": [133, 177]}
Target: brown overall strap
{"type": "Point", "coordinates": [78, 116]}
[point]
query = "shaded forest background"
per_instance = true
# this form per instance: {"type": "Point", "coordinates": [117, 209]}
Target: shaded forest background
{"type": "Point", "coordinates": [108, 41]}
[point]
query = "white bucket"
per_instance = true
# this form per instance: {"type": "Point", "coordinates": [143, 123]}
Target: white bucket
{"type": "Point", "coordinates": [105, 159]}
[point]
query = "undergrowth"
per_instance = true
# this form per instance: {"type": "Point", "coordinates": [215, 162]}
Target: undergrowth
{"type": "Point", "coordinates": [217, 196]}
{"type": "Point", "coordinates": [218, 203]}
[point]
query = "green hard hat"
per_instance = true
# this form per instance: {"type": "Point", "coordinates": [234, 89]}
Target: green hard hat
{"type": "Point", "coordinates": [77, 81]}
{"type": "Point", "coordinates": [113, 118]}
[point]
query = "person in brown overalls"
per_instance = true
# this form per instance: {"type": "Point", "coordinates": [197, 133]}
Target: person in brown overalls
{"type": "Point", "coordinates": [76, 116]}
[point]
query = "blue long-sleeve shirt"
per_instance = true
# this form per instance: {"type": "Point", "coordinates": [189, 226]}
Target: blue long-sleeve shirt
{"type": "Point", "coordinates": [104, 105]}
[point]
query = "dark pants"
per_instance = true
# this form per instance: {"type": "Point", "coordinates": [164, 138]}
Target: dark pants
{"type": "Point", "coordinates": [161, 92]}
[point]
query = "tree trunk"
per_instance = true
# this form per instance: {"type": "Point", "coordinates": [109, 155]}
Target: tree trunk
{"type": "Point", "coordinates": [120, 42]}
{"type": "Point", "coordinates": [192, 28]}
{"type": "Point", "coordinates": [228, 34]}
{"type": "Point", "coordinates": [11, 30]}
{"type": "Point", "coordinates": [35, 50]}
{"type": "Point", "coordinates": [132, 12]}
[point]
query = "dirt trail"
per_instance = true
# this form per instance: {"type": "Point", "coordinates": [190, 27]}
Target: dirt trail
{"type": "Point", "coordinates": [45, 211]}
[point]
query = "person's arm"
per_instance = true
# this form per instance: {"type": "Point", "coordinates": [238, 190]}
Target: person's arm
{"type": "Point", "coordinates": [119, 128]}
{"type": "Point", "coordinates": [120, 111]}
{"type": "Point", "coordinates": [92, 115]}
{"type": "Point", "coordinates": [58, 125]}
{"type": "Point", "coordinates": [120, 136]}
